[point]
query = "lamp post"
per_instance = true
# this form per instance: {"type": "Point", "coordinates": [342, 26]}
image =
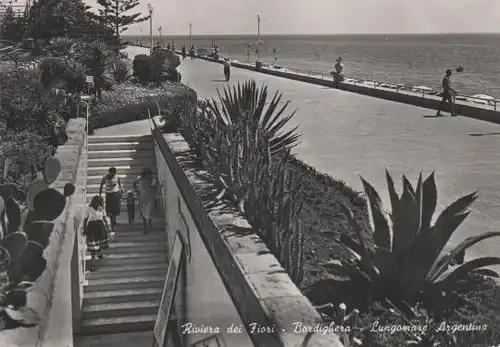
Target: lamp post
{"type": "Point", "coordinates": [257, 63]}
{"type": "Point", "coordinates": [150, 9]}
{"type": "Point", "coordinates": [190, 35]}
{"type": "Point", "coordinates": [159, 31]}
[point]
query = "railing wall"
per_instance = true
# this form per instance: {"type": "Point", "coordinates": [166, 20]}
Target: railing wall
{"type": "Point", "coordinates": [230, 279]}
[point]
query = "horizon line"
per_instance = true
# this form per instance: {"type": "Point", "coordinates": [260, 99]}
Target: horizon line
{"type": "Point", "coordinates": [327, 34]}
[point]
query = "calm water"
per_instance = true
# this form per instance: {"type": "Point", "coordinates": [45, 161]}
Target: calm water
{"type": "Point", "coordinates": [408, 59]}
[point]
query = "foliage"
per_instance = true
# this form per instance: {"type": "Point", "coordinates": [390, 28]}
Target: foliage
{"type": "Point", "coordinates": [142, 67]}
{"type": "Point", "coordinates": [26, 223]}
{"type": "Point", "coordinates": [121, 71]}
{"type": "Point", "coordinates": [161, 66]}
{"type": "Point", "coordinates": [400, 259]}
{"type": "Point", "coordinates": [241, 145]}
{"type": "Point", "coordinates": [115, 14]}
{"type": "Point", "coordinates": [12, 27]}
{"type": "Point", "coordinates": [129, 102]}
{"type": "Point", "coordinates": [26, 105]}
{"type": "Point", "coordinates": [63, 18]}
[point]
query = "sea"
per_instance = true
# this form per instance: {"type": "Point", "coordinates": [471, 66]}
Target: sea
{"type": "Point", "coordinates": [416, 59]}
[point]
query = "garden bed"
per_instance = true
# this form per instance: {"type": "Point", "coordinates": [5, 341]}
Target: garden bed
{"type": "Point", "coordinates": [478, 300]}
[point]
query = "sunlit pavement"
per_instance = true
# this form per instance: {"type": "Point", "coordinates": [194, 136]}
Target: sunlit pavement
{"type": "Point", "coordinates": [347, 135]}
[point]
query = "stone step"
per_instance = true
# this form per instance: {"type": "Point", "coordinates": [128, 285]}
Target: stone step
{"type": "Point", "coordinates": [115, 325]}
{"type": "Point", "coordinates": [121, 153]}
{"type": "Point", "coordinates": [120, 309]}
{"type": "Point", "coordinates": [126, 179]}
{"type": "Point", "coordinates": [122, 295]}
{"type": "Point", "coordinates": [119, 138]}
{"type": "Point", "coordinates": [150, 237]}
{"type": "Point", "coordinates": [130, 267]}
{"type": "Point", "coordinates": [141, 162]}
{"type": "Point", "coordinates": [120, 145]}
{"type": "Point", "coordinates": [129, 169]}
{"type": "Point", "coordinates": [128, 339]}
{"type": "Point", "coordinates": [114, 249]}
{"type": "Point", "coordinates": [127, 244]}
{"type": "Point", "coordinates": [159, 270]}
{"type": "Point", "coordinates": [130, 258]}
{"type": "Point", "coordinates": [101, 284]}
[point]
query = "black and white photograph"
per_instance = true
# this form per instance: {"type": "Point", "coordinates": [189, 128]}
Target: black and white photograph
{"type": "Point", "coordinates": [332, 167]}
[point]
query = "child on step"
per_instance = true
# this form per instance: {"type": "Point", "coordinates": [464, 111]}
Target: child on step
{"type": "Point", "coordinates": [131, 207]}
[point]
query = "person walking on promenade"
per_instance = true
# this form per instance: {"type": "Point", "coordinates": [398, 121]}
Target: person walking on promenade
{"type": "Point", "coordinates": [95, 229]}
{"type": "Point", "coordinates": [191, 52]}
{"type": "Point", "coordinates": [338, 73]}
{"type": "Point", "coordinates": [183, 52]}
{"type": "Point", "coordinates": [168, 46]}
{"type": "Point", "coordinates": [114, 192]}
{"type": "Point", "coordinates": [145, 185]}
{"type": "Point", "coordinates": [448, 94]}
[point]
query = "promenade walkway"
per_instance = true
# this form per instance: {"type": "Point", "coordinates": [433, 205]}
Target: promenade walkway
{"type": "Point", "coordinates": [347, 135]}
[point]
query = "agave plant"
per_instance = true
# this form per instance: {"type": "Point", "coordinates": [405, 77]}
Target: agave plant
{"type": "Point", "coordinates": [248, 104]}
{"type": "Point", "coordinates": [401, 257]}
{"type": "Point", "coordinates": [121, 71]}
{"type": "Point", "coordinates": [23, 237]}
{"type": "Point", "coordinates": [62, 47]}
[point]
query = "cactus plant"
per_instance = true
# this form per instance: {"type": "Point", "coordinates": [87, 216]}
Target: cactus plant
{"type": "Point", "coordinates": [241, 145]}
{"type": "Point", "coordinates": [22, 244]}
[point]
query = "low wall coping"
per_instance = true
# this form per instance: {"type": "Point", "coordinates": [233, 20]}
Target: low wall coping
{"type": "Point", "coordinates": [260, 288]}
{"type": "Point", "coordinates": [42, 297]}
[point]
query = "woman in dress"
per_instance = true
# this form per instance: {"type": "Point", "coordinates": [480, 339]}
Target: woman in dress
{"type": "Point", "coordinates": [95, 229]}
{"type": "Point", "coordinates": [145, 185]}
{"type": "Point", "coordinates": [114, 192]}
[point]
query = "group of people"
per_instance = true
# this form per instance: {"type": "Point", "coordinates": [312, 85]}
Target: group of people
{"type": "Point", "coordinates": [447, 93]}
{"type": "Point", "coordinates": [184, 52]}
{"type": "Point", "coordinates": [100, 217]}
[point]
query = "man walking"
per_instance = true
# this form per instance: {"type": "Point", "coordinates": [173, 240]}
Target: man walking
{"type": "Point", "coordinates": [448, 93]}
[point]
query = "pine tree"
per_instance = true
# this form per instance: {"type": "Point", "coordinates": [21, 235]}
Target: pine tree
{"type": "Point", "coordinates": [115, 14]}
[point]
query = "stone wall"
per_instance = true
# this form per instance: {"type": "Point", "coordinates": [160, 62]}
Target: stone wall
{"type": "Point", "coordinates": [51, 295]}
{"type": "Point", "coordinates": [232, 277]}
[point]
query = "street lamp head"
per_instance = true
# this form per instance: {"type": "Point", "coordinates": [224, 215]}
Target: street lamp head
{"type": "Point", "coordinates": [258, 17]}
{"type": "Point", "coordinates": [150, 8]}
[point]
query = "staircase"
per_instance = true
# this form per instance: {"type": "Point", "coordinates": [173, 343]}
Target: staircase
{"type": "Point", "coordinates": [121, 297]}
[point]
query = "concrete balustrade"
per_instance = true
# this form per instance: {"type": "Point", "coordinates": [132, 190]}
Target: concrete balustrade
{"type": "Point", "coordinates": [51, 294]}
{"type": "Point", "coordinates": [231, 278]}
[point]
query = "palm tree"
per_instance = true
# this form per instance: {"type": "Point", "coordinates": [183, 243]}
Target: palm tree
{"type": "Point", "coordinates": [99, 62]}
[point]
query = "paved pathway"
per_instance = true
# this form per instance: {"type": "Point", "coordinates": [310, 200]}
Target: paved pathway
{"type": "Point", "coordinates": [347, 135]}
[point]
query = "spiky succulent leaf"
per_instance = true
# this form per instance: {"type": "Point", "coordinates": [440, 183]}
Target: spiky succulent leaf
{"type": "Point", "coordinates": [405, 222]}
{"type": "Point", "coordinates": [442, 264]}
{"type": "Point", "coordinates": [429, 200]}
{"type": "Point", "coordinates": [393, 195]}
{"type": "Point", "coordinates": [486, 272]}
{"type": "Point", "coordinates": [345, 272]}
{"type": "Point", "coordinates": [382, 231]}
{"type": "Point", "coordinates": [450, 278]}
{"type": "Point", "coordinates": [35, 268]}
{"type": "Point", "coordinates": [8, 190]}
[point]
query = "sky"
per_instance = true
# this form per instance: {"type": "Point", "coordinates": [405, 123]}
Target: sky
{"type": "Point", "coordinates": [211, 17]}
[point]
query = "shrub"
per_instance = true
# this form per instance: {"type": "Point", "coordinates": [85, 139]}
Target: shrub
{"type": "Point", "coordinates": [142, 66]}
{"type": "Point", "coordinates": [400, 259]}
{"type": "Point", "coordinates": [26, 223]}
{"type": "Point", "coordinates": [128, 102]}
